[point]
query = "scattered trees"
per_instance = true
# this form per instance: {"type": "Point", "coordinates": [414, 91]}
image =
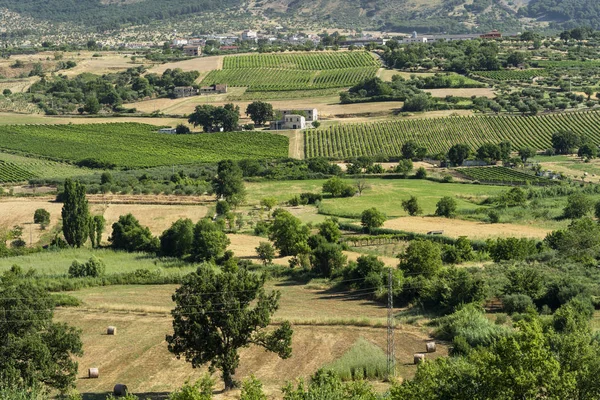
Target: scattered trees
{"type": "Point", "coordinates": [288, 234]}
{"type": "Point", "coordinates": [129, 235]}
{"type": "Point", "coordinates": [458, 153]}
{"type": "Point", "coordinates": [578, 205]}
{"type": "Point", "coordinates": [220, 304]}
{"type": "Point", "coordinates": [94, 267]}
{"type": "Point", "coordinates": [338, 188]}
{"type": "Point", "coordinates": [214, 119]}
{"type": "Point", "coordinates": [178, 239]}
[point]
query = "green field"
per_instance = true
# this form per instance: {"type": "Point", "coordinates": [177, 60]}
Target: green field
{"type": "Point", "coordinates": [502, 175]}
{"type": "Point", "coordinates": [511, 74]}
{"type": "Point", "coordinates": [296, 71]}
{"type": "Point", "coordinates": [439, 134]}
{"type": "Point", "coordinates": [134, 145]}
{"type": "Point", "coordinates": [38, 168]}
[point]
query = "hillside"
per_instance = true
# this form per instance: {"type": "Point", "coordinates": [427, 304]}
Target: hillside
{"type": "Point", "coordinates": [397, 15]}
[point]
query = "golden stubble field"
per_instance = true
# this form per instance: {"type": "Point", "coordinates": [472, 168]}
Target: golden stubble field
{"type": "Point", "coordinates": [326, 324]}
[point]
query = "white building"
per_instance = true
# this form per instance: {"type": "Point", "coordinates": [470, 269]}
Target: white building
{"type": "Point", "coordinates": [290, 121]}
{"type": "Point", "coordinates": [180, 42]}
{"type": "Point", "coordinates": [168, 130]}
{"type": "Point", "coordinates": [311, 113]}
{"type": "Point", "coordinates": [249, 35]}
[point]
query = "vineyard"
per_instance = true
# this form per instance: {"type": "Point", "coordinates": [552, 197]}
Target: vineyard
{"type": "Point", "coordinates": [511, 75]}
{"type": "Point", "coordinates": [296, 71]}
{"type": "Point", "coordinates": [42, 168]}
{"type": "Point", "coordinates": [501, 175]}
{"type": "Point", "coordinates": [439, 134]}
{"type": "Point", "coordinates": [10, 173]}
{"type": "Point", "coordinates": [132, 145]}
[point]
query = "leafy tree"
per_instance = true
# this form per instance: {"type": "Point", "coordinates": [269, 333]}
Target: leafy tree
{"type": "Point", "coordinates": [269, 203]}
{"type": "Point", "coordinates": [105, 178]}
{"type": "Point", "coordinates": [41, 216]}
{"type": "Point", "coordinates": [6, 92]}
{"type": "Point", "coordinates": [458, 153]}
{"type": "Point", "coordinates": [367, 272]}
{"type": "Point", "coordinates": [372, 218]}
{"type": "Point", "coordinates": [526, 153]}
{"type": "Point", "coordinates": [222, 207]}
{"type": "Point", "coordinates": [94, 267]}
{"type": "Point", "coordinates": [327, 385]}
{"type": "Point", "coordinates": [421, 173]}
{"type": "Point", "coordinates": [210, 242]}
{"type": "Point", "coordinates": [178, 239]}
{"type": "Point", "coordinates": [511, 248]}
{"type": "Point", "coordinates": [338, 188]}
{"type": "Point", "coordinates": [265, 252]}
{"type": "Point", "coordinates": [213, 318]}
{"type": "Point", "coordinates": [215, 118]}
{"type": "Point", "coordinates": [129, 235]}
{"type": "Point", "coordinates": [182, 129]}
{"type": "Point", "coordinates": [96, 229]}
{"type": "Point", "coordinates": [409, 150]}
{"type": "Point", "coordinates": [418, 102]}
{"type": "Point", "coordinates": [512, 198]}
{"type": "Point", "coordinates": [411, 206]}
{"type": "Point", "coordinates": [75, 213]}
{"type": "Point", "coordinates": [421, 257]}
{"type": "Point", "coordinates": [252, 389]}
{"type": "Point", "coordinates": [288, 234]}
{"type": "Point", "coordinates": [489, 152]}
{"type": "Point", "coordinates": [587, 150]}
{"type": "Point", "coordinates": [34, 350]}
{"type": "Point", "coordinates": [260, 112]}
{"type": "Point", "coordinates": [92, 105]}
{"type": "Point", "coordinates": [446, 207]}
{"type": "Point", "coordinates": [330, 230]}
{"type": "Point", "coordinates": [229, 184]}
{"type": "Point", "coordinates": [327, 258]}
{"type": "Point", "coordinates": [564, 142]}
{"type": "Point", "coordinates": [404, 167]}
{"type": "Point", "coordinates": [578, 205]}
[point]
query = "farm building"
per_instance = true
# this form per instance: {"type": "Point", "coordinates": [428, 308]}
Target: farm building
{"type": "Point", "coordinates": [185, 91]}
{"type": "Point", "coordinates": [168, 130]}
{"type": "Point", "coordinates": [311, 113]}
{"type": "Point", "coordinates": [249, 35]}
{"type": "Point", "coordinates": [290, 121]}
{"type": "Point", "coordinates": [192, 51]}
{"type": "Point", "coordinates": [213, 89]}
{"type": "Point", "coordinates": [492, 35]}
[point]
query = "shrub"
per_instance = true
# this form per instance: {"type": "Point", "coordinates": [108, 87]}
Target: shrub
{"type": "Point", "coordinates": [364, 360]}
{"type": "Point", "coordinates": [201, 390]}
{"type": "Point", "coordinates": [578, 205]}
{"type": "Point", "coordinates": [493, 216]}
{"type": "Point", "coordinates": [252, 389]}
{"type": "Point", "coordinates": [94, 268]}
{"type": "Point", "coordinates": [222, 207]}
{"type": "Point", "coordinates": [311, 198]}
{"type": "Point", "coordinates": [42, 217]}
{"type": "Point", "coordinates": [265, 252]}
{"type": "Point", "coordinates": [446, 207]}
{"type": "Point", "coordinates": [422, 257]}
{"type": "Point", "coordinates": [516, 303]}
{"type": "Point", "coordinates": [411, 206]}
{"type": "Point", "coordinates": [421, 173]}
{"type": "Point", "coordinates": [338, 188]}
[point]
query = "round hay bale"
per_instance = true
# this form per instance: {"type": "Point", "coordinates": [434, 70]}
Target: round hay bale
{"type": "Point", "coordinates": [419, 358]}
{"type": "Point", "coordinates": [120, 390]}
{"type": "Point", "coordinates": [111, 330]}
{"type": "Point", "coordinates": [431, 347]}
{"type": "Point", "coordinates": [93, 373]}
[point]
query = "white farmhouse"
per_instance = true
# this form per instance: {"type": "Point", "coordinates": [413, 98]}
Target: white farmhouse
{"type": "Point", "coordinates": [311, 113]}
{"type": "Point", "coordinates": [290, 121]}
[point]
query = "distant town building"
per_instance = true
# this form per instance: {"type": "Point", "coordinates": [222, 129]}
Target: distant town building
{"type": "Point", "coordinates": [414, 38]}
{"type": "Point", "coordinates": [362, 42]}
{"type": "Point", "coordinates": [185, 91]}
{"type": "Point", "coordinates": [197, 42]}
{"type": "Point", "coordinates": [213, 89]}
{"type": "Point", "coordinates": [192, 51]}
{"type": "Point", "coordinates": [492, 35]}
{"type": "Point", "coordinates": [180, 42]}
{"type": "Point", "coordinates": [249, 35]}
{"type": "Point", "coordinates": [228, 48]}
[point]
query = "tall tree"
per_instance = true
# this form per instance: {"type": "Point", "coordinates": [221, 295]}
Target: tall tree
{"type": "Point", "coordinates": [34, 349]}
{"type": "Point", "coordinates": [260, 112]}
{"type": "Point", "coordinates": [75, 213]}
{"type": "Point", "coordinates": [458, 153]}
{"type": "Point", "coordinates": [288, 234]}
{"type": "Point", "coordinates": [217, 313]}
{"type": "Point", "coordinates": [177, 240]}
{"type": "Point", "coordinates": [228, 183]}
{"type": "Point", "coordinates": [209, 242]}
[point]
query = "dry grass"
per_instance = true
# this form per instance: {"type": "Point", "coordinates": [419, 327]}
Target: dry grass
{"type": "Point", "coordinates": [202, 64]}
{"type": "Point", "coordinates": [137, 355]}
{"type": "Point", "coordinates": [471, 229]}
{"type": "Point", "coordinates": [479, 92]}
{"type": "Point", "coordinates": [20, 212]}
{"type": "Point", "coordinates": [17, 119]}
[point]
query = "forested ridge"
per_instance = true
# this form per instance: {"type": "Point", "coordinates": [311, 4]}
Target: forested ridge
{"type": "Point", "coordinates": [570, 13]}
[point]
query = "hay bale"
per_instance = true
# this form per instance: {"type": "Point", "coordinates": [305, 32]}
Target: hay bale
{"type": "Point", "coordinates": [431, 347]}
{"type": "Point", "coordinates": [419, 358]}
{"type": "Point", "coordinates": [111, 330]}
{"type": "Point", "coordinates": [120, 390]}
{"type": "Point", "coordinates": [93, 373]}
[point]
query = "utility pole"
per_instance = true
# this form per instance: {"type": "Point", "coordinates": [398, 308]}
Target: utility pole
{"type": "Point", "coordinates": [391, 356]}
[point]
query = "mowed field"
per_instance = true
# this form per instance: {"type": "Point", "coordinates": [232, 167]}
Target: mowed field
{"type": "Point", "coordinates": [326, 324]}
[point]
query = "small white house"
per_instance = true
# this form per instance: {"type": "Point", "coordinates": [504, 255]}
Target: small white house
{"type": "Point", "coordinates": [249, 35]}
{"type": "Point", "coordinates": [311, 113]}
{"type": "Point", "coordinates": [180, 42]}
{"type": "Point", "coordinates": [290, 121]}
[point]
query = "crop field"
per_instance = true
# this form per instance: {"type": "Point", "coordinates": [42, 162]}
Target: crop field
{"type": "Point", "coordinates": [10, 172]}
{"type": "Point", "coordinates": [439, 134]}
{"type": "Point", "coordinates": [297, 71]}
{"type": "Point", "coordinates": [511, 75]}
{"type": "Point", "coordinates": [39, 168]}
{"type": "Point", "coordinates": [134, 145]}
{"type": "Point", "coordinates": [502, 175]}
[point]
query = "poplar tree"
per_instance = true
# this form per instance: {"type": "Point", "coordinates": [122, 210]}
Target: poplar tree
{"type": "Point", "coordinates": [75, 214]}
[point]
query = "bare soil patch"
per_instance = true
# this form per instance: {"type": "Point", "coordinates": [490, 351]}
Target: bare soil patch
{"type": "Point", "coordinates": [471, 229]}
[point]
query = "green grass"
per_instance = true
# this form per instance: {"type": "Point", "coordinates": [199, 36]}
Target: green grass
{"type": "Point", "coordinates": [384, 194]}
{"type": "Point", "coordinates": [364, 360]}
{"type": "Point", "coordinates": [55, 263]}
{"type": "Point", "coordinates": [138, 145]}
{"type": "Point", "coordinates": [502, 175]}
{"type": "Point", "coordinates": [439, 134]}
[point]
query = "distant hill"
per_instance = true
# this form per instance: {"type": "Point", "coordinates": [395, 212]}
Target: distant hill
{"type": "Point", "coordinates": [426, 16]}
